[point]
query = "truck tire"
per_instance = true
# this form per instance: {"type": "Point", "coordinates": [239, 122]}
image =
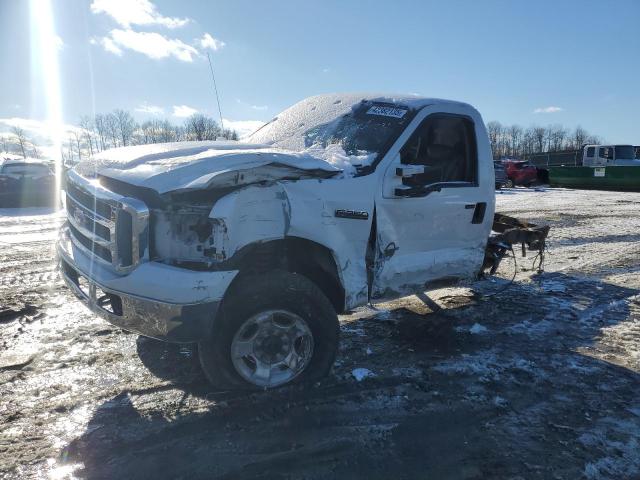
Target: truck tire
{"type": "Point", "coordinates": [271, 330]}
{"type": "Point", "coordinates": [509, 183]}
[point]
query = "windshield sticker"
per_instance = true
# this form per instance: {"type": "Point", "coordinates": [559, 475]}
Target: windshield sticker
{"type": "Point", "coordinates": [387, 111]}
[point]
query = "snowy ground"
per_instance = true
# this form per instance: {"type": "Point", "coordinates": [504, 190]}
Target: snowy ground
{"type": "Point", "coordinates": [540, 381]}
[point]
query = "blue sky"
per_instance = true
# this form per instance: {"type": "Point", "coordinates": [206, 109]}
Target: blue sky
{"type": "Point", "coordinates": [573, 62]}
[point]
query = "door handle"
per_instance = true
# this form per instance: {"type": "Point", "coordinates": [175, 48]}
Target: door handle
{"type": "Point", "coordinates": [469, 206]}
{"type": "Point", "coordinates": [478, 213]}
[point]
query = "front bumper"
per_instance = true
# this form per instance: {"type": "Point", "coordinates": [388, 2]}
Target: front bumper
{"type": "Point", "coordinates": [154, 300]}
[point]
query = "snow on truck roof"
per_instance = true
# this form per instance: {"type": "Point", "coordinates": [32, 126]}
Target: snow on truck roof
{"type": "Point", "coordinates": [313, 111]}
{"type": "Point", "coordinates": [347, 130]}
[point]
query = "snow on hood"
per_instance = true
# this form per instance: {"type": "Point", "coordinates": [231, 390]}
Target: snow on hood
{"type": "Point", "coordinates": [196, 165]}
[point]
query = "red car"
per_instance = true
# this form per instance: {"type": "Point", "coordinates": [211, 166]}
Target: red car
{"type": "Point", "coordinates": [520, 173]}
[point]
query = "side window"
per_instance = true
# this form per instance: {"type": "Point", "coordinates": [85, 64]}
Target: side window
{"type": "Point", "coordinates": [601, 152]}
{"type": "Point", "coordinates": [591, 151]}
{"type": "Point", "coordinates": [608, 153]}
{"type": "Point", "coordinates": [446, 146]}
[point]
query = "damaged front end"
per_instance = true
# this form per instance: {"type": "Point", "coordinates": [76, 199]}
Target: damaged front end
{"type": "Point", "coordinates": [507, 232]}
{"type": "Point", "coordinates": [184, 235]}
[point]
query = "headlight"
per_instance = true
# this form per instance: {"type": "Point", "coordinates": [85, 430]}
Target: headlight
{"type": "Point", "coordinates": [186, 235]}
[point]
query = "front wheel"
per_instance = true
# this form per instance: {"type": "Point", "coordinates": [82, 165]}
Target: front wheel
{"type": "Point", "coordinates": [509, 183]}
{"type": "Point", "coordinates": [272, 329]}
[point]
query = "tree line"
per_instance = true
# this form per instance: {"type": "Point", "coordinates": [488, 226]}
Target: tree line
{"type": "Point", "coordinates": [513, 141]}
{"type": "Point", "coordinates": [17, 141]}
{"type": "Point", "coordinates": [120, 129]}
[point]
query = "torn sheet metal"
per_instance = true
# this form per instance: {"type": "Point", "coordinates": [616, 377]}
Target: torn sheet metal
{"type": "Point", "coordinates": [511, 231]}
{"type": "Point", "coordinates": [203, 165]}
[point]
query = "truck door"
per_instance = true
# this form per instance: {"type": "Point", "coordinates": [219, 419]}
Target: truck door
{"type": "Point", "coordinates": [435, 207]}
{"type": "Point", "coordinates": [605, 155]}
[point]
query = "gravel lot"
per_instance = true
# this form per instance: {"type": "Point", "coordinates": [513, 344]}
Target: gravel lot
{"type": "Point", "coordinates": [539, 381]}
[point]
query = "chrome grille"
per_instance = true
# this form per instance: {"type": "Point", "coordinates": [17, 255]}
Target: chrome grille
{"type": "Point", "coordinates": [111, 228]}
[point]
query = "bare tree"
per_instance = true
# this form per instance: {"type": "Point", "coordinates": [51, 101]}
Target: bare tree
{"type": "Point", "coordinates": [556, 135]}
{"type": "Point", "coordinates": [111, 126]}
{"type": "Point", "coordinates": [102, 130]}
{"type": "Point", "coordinates": [87, 126]}
{"type": "Point", "coordinates": [515, 140]}
{"type": "Point", "coordinates": [494, 130]}
{"type": "Point", "coordinates": [21, 138]}
{"type": "Point", "coordinates": [5, 143]}
{"type": "Point", "coordinates": [579, 137]}
{"type": "Point", "coordinates": [77, 137]}
{"type": "Point", "coordinates": [200, 127]}
{"type": "Point", "coordinates": [126, 126]}
{"type": "Point", "coordinates": [539, 138]}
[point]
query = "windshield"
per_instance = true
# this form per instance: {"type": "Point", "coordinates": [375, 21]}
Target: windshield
{"type": "Point", "coordinates": [624, 152]}
{"type": "Point", "coordinates": [348, 132]}
{"type": "Point", "coordinates": [25, 169]}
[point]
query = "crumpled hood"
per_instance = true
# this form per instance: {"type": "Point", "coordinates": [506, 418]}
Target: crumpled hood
{"type": "Point", "coordinates": [183, 166]}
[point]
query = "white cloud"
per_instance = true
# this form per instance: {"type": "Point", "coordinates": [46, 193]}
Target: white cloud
{"type": "Point", "coordinates": [183, 111]}
{"type": "Point", "coordinates": [150, 109]}
{"type": "Point", "coordinates": [151, 44]}
{"type": "Point", "coordinates": [207, 41]}
{"type": "Point", "coordinates": [110, 46]}
{"type": "Point", "coordinates": [243, 127]}
{"type": "Point", "coordinates": [252, 107]}
{"type": "Point", "coordinates": [135, 12]}
{"type": "Point", "coordinates": [550, 109]}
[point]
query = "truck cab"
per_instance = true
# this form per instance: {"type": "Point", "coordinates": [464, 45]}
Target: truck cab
{"type": "Point", "coordinates": [252, 249]}
{"type": "Point", "coordinates": [609, 155]}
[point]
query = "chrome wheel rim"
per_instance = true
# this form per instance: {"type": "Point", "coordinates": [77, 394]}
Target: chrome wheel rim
{"type": "Point", "coordinates": [272, 348]}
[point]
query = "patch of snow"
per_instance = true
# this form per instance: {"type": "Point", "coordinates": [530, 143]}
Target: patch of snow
{"type": "Point", "coordinates": [477, 329]}
{"type": "Point", "coordinates": [335, 155]}
{"type": "Point", "coordinates": [498, 401]}
{"type": "Point", "coordinates": [618, 438]}
{"type": "Point", "coordinates": [361, 373]}
{"type": "Point", "coordinates": [489, 366]}
{"type": "Point", "coordinates": [353, 330]}
{"type": "Point", "coordinates": [532, 329]}
{"type": "Point", "coordinates": [410, 372]}
{"type": "Point", "coordinates": [552, 286]}
{"type": "Point", "coordinates": [634, 410]}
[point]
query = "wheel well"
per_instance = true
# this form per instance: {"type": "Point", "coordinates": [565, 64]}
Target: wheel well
{"type": "Point", "coordinates": [296, 255]}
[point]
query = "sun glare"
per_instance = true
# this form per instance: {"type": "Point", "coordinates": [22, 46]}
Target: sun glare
{"type": "Point", "coordinates": [45, 77]}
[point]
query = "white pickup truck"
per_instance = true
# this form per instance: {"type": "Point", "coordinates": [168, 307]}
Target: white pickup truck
{"type": "Point", "coordinates": [252, 249]}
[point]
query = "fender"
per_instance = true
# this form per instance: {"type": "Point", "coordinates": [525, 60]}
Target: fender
{"type": "Point", "coordinates": [310, 209]}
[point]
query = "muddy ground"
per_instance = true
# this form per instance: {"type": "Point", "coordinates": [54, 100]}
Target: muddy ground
{"type": "Point", "coordinates": [541, 380]}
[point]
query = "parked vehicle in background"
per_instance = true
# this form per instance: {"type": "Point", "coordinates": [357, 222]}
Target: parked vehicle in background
{"type": "Point", "coordinates": [615, 167]}
{"type": "Point", "coordinates": [251, 249]}
{"type": "Point", "coordinates": [25, 183]}
{"type": "Point", "coordinates": [609, 155]}
{"type": "Point", "coordinates": [500, 173]}
{"type": "Point", "coordinates": [520, 173]}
